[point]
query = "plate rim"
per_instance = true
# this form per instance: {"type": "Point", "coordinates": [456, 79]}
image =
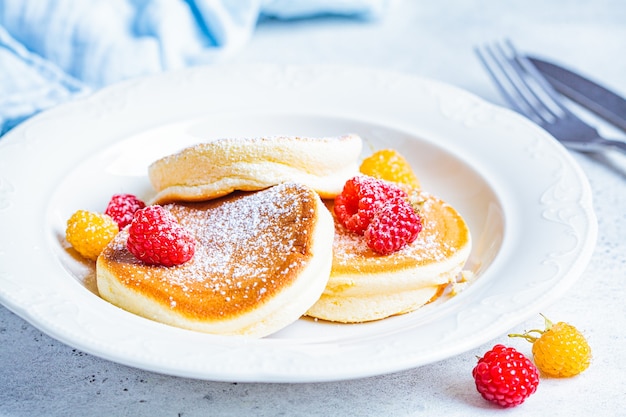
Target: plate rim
{"type": "Point", "coordinates": [21, 137]}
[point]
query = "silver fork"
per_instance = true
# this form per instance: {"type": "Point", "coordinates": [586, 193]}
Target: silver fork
{"type": "Point", "coordinates": [528, 93]}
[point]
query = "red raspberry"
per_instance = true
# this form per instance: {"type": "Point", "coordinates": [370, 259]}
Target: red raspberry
{"type": "Point", "coordinates": [361, 197]}
{"type": "Point", "coordinates": [505, 377]}
{"type": "Point", "coordinates": [156, 238]}
{"type": "Point", "coordinates": [395, 225]}
{"type": "Point", "coordinates": [121, 208]}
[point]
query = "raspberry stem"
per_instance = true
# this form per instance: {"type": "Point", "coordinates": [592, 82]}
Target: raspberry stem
{"type": "Point", "coordinates": [527, 334]}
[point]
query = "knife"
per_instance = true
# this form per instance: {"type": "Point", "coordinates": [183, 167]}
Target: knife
{"type": "Point", "coordinates": [584, 91]}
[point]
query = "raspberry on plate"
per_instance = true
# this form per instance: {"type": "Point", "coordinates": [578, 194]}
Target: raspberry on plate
{"type": "Point", "coordinates": [360, 198]}
{"type": "Point", "coordinates": [395, 225]}
{"type": "Point", "coordinates": [121, 208]}
{"type": "Point", "coordinates": [90, 232]}
{"type": "Point", "coordinates": [505, 377]}
{"type": "Point", "coordinates": [560, 350]}
{"type": "Point", "coordinates": [156, 238]}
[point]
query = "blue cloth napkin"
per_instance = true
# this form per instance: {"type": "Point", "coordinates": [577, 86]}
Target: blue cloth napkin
{"type": "Point", "coordinates": [54, 50]}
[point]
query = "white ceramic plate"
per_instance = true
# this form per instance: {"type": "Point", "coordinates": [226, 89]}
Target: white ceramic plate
{"type": "Point", "coordinates": [526, 201]}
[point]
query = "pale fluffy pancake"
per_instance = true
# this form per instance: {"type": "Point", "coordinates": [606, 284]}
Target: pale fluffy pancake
{"type": "Point", "coordinates": [219, 167]}
{"type": "Point", "coordinates": [262, 259]}
{"type": "Point", "coordinates": [365, 286]}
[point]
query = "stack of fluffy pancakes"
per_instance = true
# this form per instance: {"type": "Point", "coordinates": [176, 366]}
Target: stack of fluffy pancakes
{"type": "Point", "coordinates": [268, 247]}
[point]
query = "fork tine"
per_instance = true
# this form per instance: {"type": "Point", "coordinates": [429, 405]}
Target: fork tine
{"type": "Point", "coordinates": [520, 93]}
{"type": "Point", "coordinates": [545, 86]}
{"type": "Point", "coordinates": [490, 63]}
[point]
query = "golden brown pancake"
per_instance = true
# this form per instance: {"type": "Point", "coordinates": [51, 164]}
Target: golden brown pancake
{"type": "Point", "coordinates": [366, 286]}
{"type": "Point", "coordinates": [219, 167]}
{"type": "Point", "coordinates": [262, 259]}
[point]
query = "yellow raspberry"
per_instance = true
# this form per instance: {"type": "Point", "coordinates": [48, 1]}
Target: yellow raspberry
{"type": "Point", "coordinates": [89, 232]}
{"type": "Point", "coordinates": [560, 350]}
{"type": "Point", "coordinates": [390, 165]}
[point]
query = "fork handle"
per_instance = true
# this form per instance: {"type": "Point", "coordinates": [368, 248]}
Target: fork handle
{"type": "Point", "coordinates": [617, 145]}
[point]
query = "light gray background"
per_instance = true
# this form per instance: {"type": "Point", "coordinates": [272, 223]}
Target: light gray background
{"type": "Point", "coordinates": [41, 376]}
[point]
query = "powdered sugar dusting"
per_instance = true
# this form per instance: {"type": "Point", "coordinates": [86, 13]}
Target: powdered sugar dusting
{"type": "Point", "coordinates": [247, 248]}
{"type": "Point", "coordinates": [431, 245]}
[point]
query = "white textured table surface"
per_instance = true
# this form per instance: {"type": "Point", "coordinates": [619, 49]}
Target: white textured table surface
{"type": "Point", "coordinates": [41, 376]}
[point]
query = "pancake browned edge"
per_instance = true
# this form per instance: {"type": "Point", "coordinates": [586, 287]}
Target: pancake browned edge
{"type": "Point", "coordinates": [219, 167]}
{"type": "Point", "coordinates": [365, 286]}
{"type": "Point", "coordinates": [262, 259]}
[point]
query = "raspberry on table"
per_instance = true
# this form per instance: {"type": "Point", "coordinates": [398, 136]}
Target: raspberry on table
{"type": "Point", "coordinates": [156, 238]}
{"type": "Point", "coordinates": [121, 208]}
{"type": "Point", "coordinates": [560, 350]}
{"type": "Point", "coordinates": [394, 226]}
{"type": "Point", "coordinates": [390, 165]}
{"type": "Point", "coordinates": [505, 377]}
{"type": "Point", "coordinates": [90, 232]}
{"type": "Point", "coordinates": [360, 198]}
